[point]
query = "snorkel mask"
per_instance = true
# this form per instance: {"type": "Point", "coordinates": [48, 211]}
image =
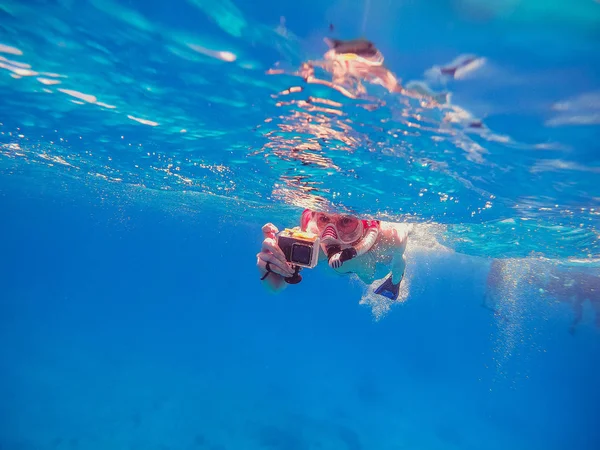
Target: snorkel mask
{"type": "Point", "coordinates": [342, 237]}
{"type": "Point", "coordinates": [338, 230]}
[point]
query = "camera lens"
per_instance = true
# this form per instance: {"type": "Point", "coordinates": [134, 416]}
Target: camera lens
{"type": "Point", "coordinates": [301, 254]}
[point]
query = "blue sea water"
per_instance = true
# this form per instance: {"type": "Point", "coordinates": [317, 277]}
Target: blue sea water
{"type": "Point", "coordinates": [144, 144]}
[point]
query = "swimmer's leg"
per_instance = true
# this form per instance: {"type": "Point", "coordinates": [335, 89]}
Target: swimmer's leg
{"type": "Point", "coordinates": [390, 288]}
{"type": "Point", "coordinates": [398, 267]}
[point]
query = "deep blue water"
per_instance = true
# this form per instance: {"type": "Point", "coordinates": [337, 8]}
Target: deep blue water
{"type": "Point", "coordinates": [136, 329]}
{"type": "Point", "coordinates": [138, 164]}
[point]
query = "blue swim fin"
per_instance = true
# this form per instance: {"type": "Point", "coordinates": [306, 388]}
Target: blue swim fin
{"type": "Point", "coordinates": [389, 289]}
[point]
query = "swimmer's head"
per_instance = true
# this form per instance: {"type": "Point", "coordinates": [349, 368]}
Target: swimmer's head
{"type": "Point", "coordinates": [335, 230]}
{"type": "Point", "coordinates": [342, 237]}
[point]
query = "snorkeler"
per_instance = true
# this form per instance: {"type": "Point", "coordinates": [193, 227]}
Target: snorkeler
{"type": "Point", "coordinates": [350, 245]}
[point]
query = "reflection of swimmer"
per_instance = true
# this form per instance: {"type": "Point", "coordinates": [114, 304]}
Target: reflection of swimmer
{"type": "Point", "coordinates": [575, 287]}
{"type": "Point", "coordinates": [363, 247]}
{"type": "Point", "coordinates": [360, 59]}
{"type": "Point", "coordinates": [354, 61]}
{"type": "Point", "coordinates": [350, 63]}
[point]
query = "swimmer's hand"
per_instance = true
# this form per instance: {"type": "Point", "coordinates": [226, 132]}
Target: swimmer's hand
{"type": "Point", "coordinates": [272, 254]}
{"type": "Point", "coordinates": [400, 235]}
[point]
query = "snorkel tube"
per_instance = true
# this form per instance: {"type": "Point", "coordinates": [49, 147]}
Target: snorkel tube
{"type": "Point", "coordinates": [337, 257]}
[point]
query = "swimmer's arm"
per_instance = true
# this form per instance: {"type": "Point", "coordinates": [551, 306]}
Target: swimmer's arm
{"type": "Point", "coordinates": [396, 236]}
{"type": "Point", "coordinates": [271, 262]}
{"type": "Point", "coordinates": [274, 283]}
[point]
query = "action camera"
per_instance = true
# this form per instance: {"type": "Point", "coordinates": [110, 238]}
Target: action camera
{"type": "Point", "coordinates": [299, 247]}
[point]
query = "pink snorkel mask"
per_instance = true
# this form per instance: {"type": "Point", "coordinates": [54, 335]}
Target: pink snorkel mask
{"type": "Point", "coordinates": [341, 230]}
{"type": "Point", "coordinates": [342, 237]}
